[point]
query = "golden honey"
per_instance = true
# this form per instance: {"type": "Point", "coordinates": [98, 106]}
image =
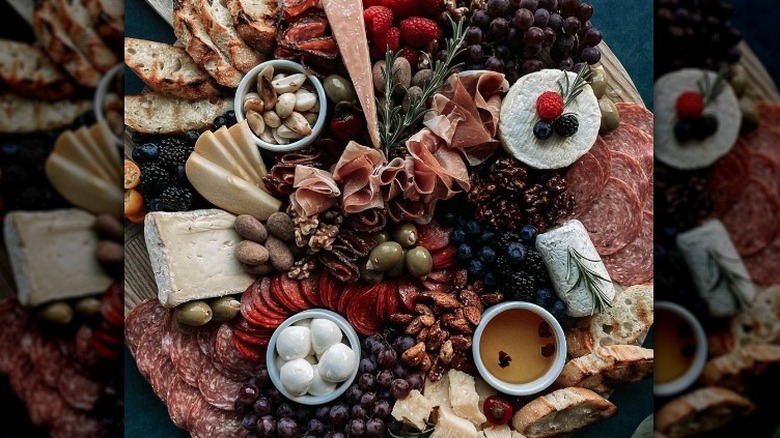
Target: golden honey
{"type": "Point", "coordinates": [517, 346]}
{"type": "Point", "coordinates": [675, 346]}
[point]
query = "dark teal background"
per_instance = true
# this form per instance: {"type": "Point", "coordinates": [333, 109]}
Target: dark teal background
{"type": "Point", "coordinates": [627, 28]}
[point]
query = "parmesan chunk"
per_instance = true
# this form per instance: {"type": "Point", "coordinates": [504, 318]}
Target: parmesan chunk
{"type": "Point", "coordinates": [502, 431]}
{"type": "Point", "coordinates": [438, 393]}
{"type": "Point", "coordinates": [451, 425]}
{"type": "Point", "coordinates": [413, 410]}
{"type": "Point", "coordinates": [464, 397]}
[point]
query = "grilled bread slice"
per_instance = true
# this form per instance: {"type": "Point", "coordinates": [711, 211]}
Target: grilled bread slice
{"type": "Point", "coordinates": [20, 116]}
{"type": "Point", "coordinates": [190, 30]}
{"type": "Point", "coordinates": [607, 367]}
{"type": "Point", "coordinates": [108, 19]}
{"type": "Point", "coordinates": [255, 21]}
{"type": "Point", "coordinates": [78, 24]}
{"type": "Point", "coordinates": [760, 323]}
{"type": "Point", "coordinates": [168, 70]}
{"type": "Point", "coordinates": [728, 370]}
{"type": "Point", "coordinates": [156, 114]}
{"type": "Point", "coordinates": [29, 72]}
{"type": "Point", "coordinates": [701, 411]}
{"type": "Point", "coordinates": [220, 28]}
{"type": "Point", "coordinates": [562, 411]}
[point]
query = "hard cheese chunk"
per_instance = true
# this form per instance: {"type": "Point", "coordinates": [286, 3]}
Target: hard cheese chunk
{"type": "Point", "coordinates": [497, 432]}
{"type": "Point", "coordinates": [53, 255]}
{"type": "Point", "coordinates": [413, 410]}
{"type": "Point", "coordinates": [450, 425]}
{"type": "Point", "coordinates": [193, 255]}
{"type": "Point", "coordinates": [438, 392]}
{"type": "Point", "coordinates": [464, 397]}
{"type": "Point", "coordinates": [717, 270]}
{"type": "Point", "coordinates": [558, 247]}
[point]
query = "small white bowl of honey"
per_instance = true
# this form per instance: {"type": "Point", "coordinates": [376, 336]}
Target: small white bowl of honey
{"type": "Point", "coordinates": [680, 349]}
{"type": "Point", "coordinates": [519, 348]}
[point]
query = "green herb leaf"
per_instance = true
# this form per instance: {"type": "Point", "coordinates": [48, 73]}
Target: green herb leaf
{"type": "Point", "coordinates": [711, 90]}
{"type": "Point", "coordinates": [720, 272]}
{"type": "Point", "coordinates": [570, 91]}
{"type": "Point", "coordinates": [588, 278]}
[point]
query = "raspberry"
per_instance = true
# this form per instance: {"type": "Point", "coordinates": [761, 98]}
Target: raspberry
{"type": "Point", "coordinates": [419, 31]}
{"type": "Point", "coordinates": [379, 20]}
{"type": "Point", "coordinates": [401, 8]}
{"type": "Point", "coordinates": [431, 8]}
{"type": "Point", "coordinates": [391, 40]}
{"type": "Point", "coordinates": [411, 55]}
{"type": "Point", "coordinates": [549, 106]}
{"type": "Point", "coordinates": [690, 105]}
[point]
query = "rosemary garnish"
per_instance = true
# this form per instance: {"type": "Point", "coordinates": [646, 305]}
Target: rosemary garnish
{"type": "Point", "coordinates": [710, 90]}
{"type": "Point", "coordinates": [394, 122]}
{"type": "Point", "coordinates": [588, 278]}
{"type": "Point", "coordinates": [719, 273]}
{"type": "Point", "coordinates": [570, 91]}
{"type": "Point", "coordinates": [425, 433]}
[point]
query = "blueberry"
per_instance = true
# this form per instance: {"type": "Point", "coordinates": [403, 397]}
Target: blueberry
{"type": "Point", "coordinates": [476, 268]}
{"type": "Point", "coordinates": [473, 229]}
{"type": "Point", "coordinates": [543, 297]}
{"type": "Point", "coordinates": [543, 130]}
{"type": "Point", "coordinates": [558, 309]}
{"type": "Point", "coordinates": [191, 137]}
{"type": "Point", "coordinates": [487, 237]}
{"type": "Point", "coordinates": [145, 152]}
{"type": "Point", "coordinates": [487, 254]}
{"type": "Point", "coordinates": [528, 233]}
{"type": "Point", "coordinates": [231, 117]}
{"type": "Point", "coordinates": [458, 235]}
{"type": "Point", "coordinates": [464, 252]}
{"type": "Point", "coordinates": [220, 121]}
{"type": "Point", "coordinates": [516, 252]}
{"type": "Point", "coordinates": [490, 279]}
{"type": "Point", "coordinates": [449, 218]}
{"type": "Point", "coordinates": [9, 149]}
{"type": "Point", "coordinates": [683, 131]}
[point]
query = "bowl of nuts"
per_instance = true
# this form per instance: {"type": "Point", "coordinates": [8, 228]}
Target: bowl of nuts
{"type": "Point", "coordinates": [281, 102]}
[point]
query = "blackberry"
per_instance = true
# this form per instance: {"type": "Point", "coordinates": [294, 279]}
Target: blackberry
{"type": "Point", "coordinates": [173, 155]}
{"type": "Point", "coordinates": [174, 198]}
{"type": "Point", "coordinates": [154, 179]}
{"type": "Point", "coordinates": [519, 287]}
{"type": "Point", "coordinates": [174, 142]}
{"type": "Point", "coordinates": [566, 125]}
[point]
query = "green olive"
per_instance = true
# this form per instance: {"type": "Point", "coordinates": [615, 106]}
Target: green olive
{"type": "Point", "coordinates": [58, 313]}
{"type": "Point", "coordinates": [610, 117]}
{"type": "Point", "coordinates": [738, 80]}
{"type": "Point", "coordinates": [384, 256]}
{"type": "Point", "coordinates": [369, 275]}
{"type": "Point", "coordinates": [184, 328]}
{"type": "Point", "coordinates": [194, 313]}
{"type": "Point", "coordinates": [399, 269]}
{"type": "Point", "coordinates": [750, 114]}
{"type": "Point", "coordinates": [419, 262]}
{"type": "Point", "coordinates": [338, 89]}
{"type": "Point", "coordinates": [225, 308]}
{"type": "Point", "coordinates": [88, 306]}
{"type": "Point", "coordinates": [598, 81]}
{"type": "Point", "coordinates": [381, 237]}
{"type": "Point", "coordinates": [405, 234]}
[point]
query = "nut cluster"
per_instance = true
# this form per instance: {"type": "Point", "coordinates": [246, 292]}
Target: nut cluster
{"type": "Point", "coordinates": [266, 246]}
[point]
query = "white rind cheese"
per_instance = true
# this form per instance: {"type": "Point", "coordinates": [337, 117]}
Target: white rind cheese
{"type": "Point", "coordinates": [518, 117]}
{"type": "Point", "coordinates": [554, 247]}
{"type": "Point", "coordinates": [52, 255]}
{"type": "Point", "coordinates": [698, 247]}
{"type": "Point", "coordinates": [193, 255]}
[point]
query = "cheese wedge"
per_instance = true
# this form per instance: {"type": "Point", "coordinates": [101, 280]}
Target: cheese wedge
{"type": "Point", "coordinates": [52, 255]}
{"type": "Point", "coordinates": [438, 393]}
{"type": "Point", "coordinates": [464, 397]}
{"type": "Point", "coordinates": [413, 410]}
{"type": "Point", "coordinates": [450, 425]}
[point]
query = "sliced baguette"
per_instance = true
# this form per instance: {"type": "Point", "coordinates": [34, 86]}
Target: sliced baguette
{"type": "Point", "coordinates": [760, 323]}
{"type": "Point", "coordinates": [29, 72]}
{"type": "Point", "coordinates": [220, 28]}
{"type": "Point", "coordinates": [77, 23]}
{"type": "Point", "coordinates": [701, 411]}
{"type": "Point", "coordinates": [255, 21]}
{"type": "Point", "coordinates": [168, 70]}
{"type": "Point", "coordinates": [625, 323]}
{"type": "Point", "coordinates": [108, 18]}
{"type": "Point", "coordinates": [156, 114]}
{"type": "Point", "coordinates": [189, 29]}
{"type": "Point", "coordinates": [19, 115]}
{"type": "Point", "coordinates": [607, 367]}
{"type": "Point", "coordinates": [562, 411]}
{"type": "Point", "coordinates": [752, 360]}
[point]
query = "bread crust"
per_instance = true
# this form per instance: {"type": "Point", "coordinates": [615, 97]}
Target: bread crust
{"type": "Point", "coordinates": [20, 116]}
{"type": "Point", "coordinates": [701, 411]}
{"type": "Point", "coordinates": [607, 367]}
{"type": "Point", "coordinates": [562, 411]}
{"type": "Point", "coordinates": [219, 26]}
{"type": "Point", "coordinates": [255, 21]}
{"type": "Point", "coordinates": [157, 114]}
{"type": "Point", "coordinates": [29, 72]}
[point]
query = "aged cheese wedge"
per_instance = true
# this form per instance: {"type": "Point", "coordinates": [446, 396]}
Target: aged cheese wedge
{"type": "Point", "coordinates": [438, 392]}
{"type": "Point", "coordinates": [193, 255]}
{"type": "Point", "coordinates": [464, 397]}
{"type": "Point", "coordinates": [413, 410]}
{"type": "Point", "coordinates": [228, 173]}
{"type": "Point", "coordinates": [52, 254]}
{"type": "Point", "coordinates": [450, 425]}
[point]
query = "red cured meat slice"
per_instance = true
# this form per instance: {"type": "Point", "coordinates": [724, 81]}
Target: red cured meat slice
{"type": "Point", "coordinates": [23, 378]}
{"type": "Point", "coordinates": [80, 391]}
{"type": "Point", "coordinates": [728, 177]}
{"type": "Point", "coordinates": [266, 292]}
{"type": "Point", "coordinates": [408, 291]}
{"type": "Point", "coordinates": [252, 338]}
{"type": "Point", "coordinates": [310, 289]}
{"type": "Point", "coordinates": [199, 405]}
{"type": "Point", "coordinates": [770, 113]}
{"type": "Point", "coordinates": [11, 358]}
{"type": "Point", "coordinates": [329, 290]}
{"type": "Point", "coordinates": [149, 352]}
{"type": "Point", "coordinates": [161, 378]}
{"type": "Point", "coordinates": [585, 181]}
{"type": "Point", "coordinates": [602, 154]}
{"type": "Point", "coordinates": [217, 389]}
{"type": "Point", "coordinates": [615, 218]}
{"type": "Point", "coordinates": [294, 293]}
{"type": "Point", "coordinates": [74, 424]}
{"type": "Point", "coordinates": [225, 354]}
{"type": "Point", "coordinates": [648, 205]}
{"type": "Point", "coordinates": [42, 401]}
{"type": "Point", "coordinates": [766, 169]}
{"type": "Point", "coordinates": [765, 138]}
{"type": "Point", "coordinates": [628, 170]}
{"type": "Point", "coordinates": [634, 263]}
{"type": "Point", "coordinates": [45, 356]}
{"type": "Point", "coordinates": [762, 265]}
{"type": "Point", "coordinates": [433, 236]}
{"type": "Point", "coordinates": [636, 115]}
{"type": "Point", "coordinates": [186, 356]}
{"type": "Point", "coordinates": [361, 312]}
{"type": "Point", "coordinates": [206, 337]}
{"type": "Point", "coordinates": [632, 141]}
{"type": "Point", "coordinates": [85, 353]}
{"type": "Point", "coordinates": [142, 316]}
{"type": "Point", "coordinates": [753, 221]}
{"type": "Point", "coordinates": [181, 398]}
{"type": "Point", "coordinates": [215, 423]}
{"type": "Point", "coordinates": [251, 352]}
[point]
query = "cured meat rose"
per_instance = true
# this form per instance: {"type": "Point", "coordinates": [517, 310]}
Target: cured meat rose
{"type": "Point", "coordinates": [356, 173]}
{"type": "Point", "coordinates": [754, 220]}
{"type": "Point", "coordinates": [586, 179]}
{"type": "Point", "coordinates": [615, 219]}
{"type": "Point", "coordinates": [637, 115]}
{"type": "Point", "coordinates": [633, 264]}
{"type": "Point", "coordinates": [315, 191]}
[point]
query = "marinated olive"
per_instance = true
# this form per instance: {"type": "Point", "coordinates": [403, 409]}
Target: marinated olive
{"type": "Point", "coordinates": [399, 269]}
{"type": "Point", "coordinates": [58, 313]}
{"type": "Point", "coordinates": [384, 256]}
{"type": "Point", "coordinates": [610, 117]}
{"type": "Point", "coordinates": [339, 89]}
{"type": "Point", "coordinates": [419, 262]}
{"type": "Point", "coordinates": [381, 237]}
{"type": "Point", "coordinates": [750, 114]}
{"type": "Point", "coordinates": [598, 81]}
{"type": "Point", "coordinates": [738, 79]}
{"type": "Point", "coordinates": [88, 306]}
{"type": "Point", "coordinates": [369, 275]}
{"type": "Point", "coordinates": [225, 308]}
{"type": "Point", "coordinates": [194, 313]}
{"type": "Point", "coordinates": [184, 328]}
{"type": "Point", "coordinates": [405, 234]}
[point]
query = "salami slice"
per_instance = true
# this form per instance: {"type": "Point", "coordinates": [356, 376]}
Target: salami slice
{"type": "Point", "coordinates": [199, 405]}
{"type": "Point", "coordinates": [227, 355]}
{"type": "Point", "coordinates": [217, 389]}
{"type": "Point", "coordinates": [628, 170]}
{"type": "Point", "coordinates": [753, 221]}
{"type": "Point", "coordinates": [186, 356]}
{"type": "Point", "coordinates": [215, 423]}
{"type": "Point", "coordinates": [766, 169]}
{"type": "Point", "coordinates": [181, 398]}
{"type": "Point", "coordinates": [23, 378]}
{"type": "Point", "coordinates": [602, 153]}
{"type": "Point", "coordinates": [762, 265]}
{"type": "Point", "coordinates": [615, 218]}
{"type": "Point", "coordinates": [648, 205]}
{"type": "Point", "coordinates": [728, 177]}
{"type": "Point", "coordinates": [85, 354]}
{"type": "Point", "coordinates": [634, 142]}
{"type": "Point", "coordinates": [75, 424]}
{"type": "Point", "coordinates": [161, 378]}
{"type": "Point", "coordinates": [78, 390]}
{"type": "Point", "coordinates": [205, 336]}
{"type": "Point", "coordinates": [12, 358]}
{"type": "Point", "coordinates": [636, 115]}
{"type": "Point", "coordinates": [770, 112]}
{"type": "Point", "coordinates": [45, 356]}
{"type": "Point", "coordinates": [585, 181]}
{"type": "Point", "coordinates": [149, 352]}
{"type": "Point", "coordinates": [142, 316]}
{"type": "Point", "coordinates": [42, 401]}
{"type": "Point", "coordinates": [765, 138]}
{"type": "Point", "coordinates": [634, 263]}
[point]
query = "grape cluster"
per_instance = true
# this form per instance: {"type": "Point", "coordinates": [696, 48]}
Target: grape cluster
{"type": "Point", "coordinates": [694, 33]}
{"type": "Point", "coordinates": [362, 411]}
{"type": "Point", "coordinates": [520, 37]}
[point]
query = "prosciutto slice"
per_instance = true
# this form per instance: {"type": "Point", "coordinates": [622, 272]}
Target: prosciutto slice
{"type": "Point", "coordinates": [357, 172]}
{"type": "Point", "coordinates": [316, 191]}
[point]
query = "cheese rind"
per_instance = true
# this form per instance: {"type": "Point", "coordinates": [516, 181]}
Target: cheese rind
{"type": "Point", "coordinates": [554, 247]}
{"type": "Point", "coordinates": [52, 255]}
{"type": "Point", "coordinates": [193, 255]}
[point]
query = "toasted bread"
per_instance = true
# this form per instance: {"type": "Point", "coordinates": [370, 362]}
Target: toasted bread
{"type": "Point", "coordinates": [255, 21]}
{"type": "Point", "coordinates": [607, 367]}
{"type": "Point", "coordinates": [625, 323]}
{"type": "Point", "coordinates": [108, 18]}
{"type": "Point", "coordinates": [562, 411]}
{"type": "Point", "coordinates": [759, 323]}
{"type": "Point", "coordinates": [168, 70]}
{"type": "Point", "coordinates": [78, 24]}
{"type": "Point", "coordinates": [728, 370]}
{"type": "Point", "coordinates": [19, 115]}
{"type": "Point", "coordinates": [156, 114]}
{"type": "Point", "coordinates": [220, 28]}
{"type": "Point", "coordinates": [701, 411]}
{"type": "Point", "coordinates": [29, 72]}
{"type": "Point", "coordinates": [189, 29]}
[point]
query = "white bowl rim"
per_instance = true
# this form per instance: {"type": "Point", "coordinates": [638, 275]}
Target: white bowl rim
{"type": "Point", "coordinates": [694, 371]}
{"type": "Point", "coordinates": [270, 356]}
{"type": "Point", "coordinates": [249, 80]}
{"type": "Point", "coordinates": [534, 386]}
{"type": "Point", "coordinates": [100, 96]}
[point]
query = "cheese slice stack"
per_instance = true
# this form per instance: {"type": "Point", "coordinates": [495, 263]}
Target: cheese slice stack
{"type": "Point", "coordinates": [86, 169]}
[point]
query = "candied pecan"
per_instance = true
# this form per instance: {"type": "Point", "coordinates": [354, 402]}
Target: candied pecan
{"type": "Point", "coordinates": [427, 319]}
{"type": "Point", "coordinates": [446, 351]}
{"type": "Point", "coordinates": [461, 362]}
{"type": "Point", "coordinates": [423, 335]}
{"type": "Point", "coordinates": [422, 309]}
{"type": "Point", "coordinates": [461, 342]}
{"type": "Point", "coordinates": [472, 314]}
{"type": "Point", "coordinates": [436, 371]}
{"type": "Point", "coordinates": [401, 318]}
{"type": "Point", "coordinates": [414, 327]}
{"type": "Point", "coordinates": [415, 355]}
{"type": "Point", "coordinates": [460, 325]}
{"type": "Point", "coordinates": [470, 298]}
{"type": "Point", "coordinates": [443, 300]}
{"type": "Point", "coordinates": [436, 338]}
{"type": "Point", "coordinates": [491, 298]}
{"type": "Point", "coordinates": [426, 363]}
{"type": "Point", "coordinates": [461, 278]}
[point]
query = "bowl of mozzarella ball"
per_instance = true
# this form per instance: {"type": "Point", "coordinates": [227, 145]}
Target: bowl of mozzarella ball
{"type": "Point", "coordinates": [313, 356]}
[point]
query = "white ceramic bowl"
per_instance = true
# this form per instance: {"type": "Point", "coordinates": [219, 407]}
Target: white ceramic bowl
{"type": "Point", "coordinates": [249, 83]}
{"type": "Point", "coordinates": [534, 386]}
{"type": "Point", "coordinates": [351, 340]}
{"type": "Point", "coordinates": [700, 358]}
{"type": "Point", "coordinates": [102, 91]}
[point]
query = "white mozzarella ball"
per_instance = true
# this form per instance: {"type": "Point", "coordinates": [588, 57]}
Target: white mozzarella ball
{"type": "Point", "coordinates": [294, 343]}
{"type": "Point", "coordinates": [297, 376]}
{"type": "Point", "coordinates": [318, 386]}
{"type": "Point", "coordinates": [324, 333]}
{"type": "Point", "coordinates": [337, 363]}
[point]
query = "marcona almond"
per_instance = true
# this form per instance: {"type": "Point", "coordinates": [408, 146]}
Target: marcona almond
{"type": "Point", "coordinates": [255, 122]}
{"type": "Point", "coordinates": [272, 119]}
{"type": "Point", "coordinates": [311, 117]}
{"type": "Point", "coordinates": [298, 124]}
{"type": "Point", "coordinates": [460, 342]}
{"type": "Point", "coordinates": [289, 84]}
{"type": "Point", "coordinates": [285, 132]}
{"type": "Point", "coordinates": [304, 100]}
{"type": "Point", "coordinates": [285, 105]}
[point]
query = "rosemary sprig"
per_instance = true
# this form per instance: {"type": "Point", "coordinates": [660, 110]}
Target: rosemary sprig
{"type": "Point", "coordinates": [570, 91]}
{"type": "Point", "coordinates": [588, 278]}
{"type": "Point", "coordinates": [425, 433]}
{"type": "Point", "coordinates": [710, 90]}
{"type": "Point", "coordinates": [394, 123]}
{"type": "Point", "coordinates": [719, 273]}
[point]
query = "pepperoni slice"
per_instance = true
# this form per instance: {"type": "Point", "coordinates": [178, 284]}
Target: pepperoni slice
{"type": "Point", "coordinates": [250, 352]}
{"type": "Point", "coordinates": [217, 389]}
{"type": "Point", "coordinates": [226, 355]}
{"type": "Point", "coordinates": [251, 338]}
{"type": "Point", "coordinates": [753, 221]}
{"type": "Point", "coordinates": [443, 258]}
{"type": "Point", "coordinates": [186, 356]}
{"type": "Point", "coordinates": [361, 313]}
{"type": "Point", "coordinates": [634, 263]}
{"type": "Point", "coordinates": [636, 115]}
{"type": "Point", "coordinates": [291, 290]}
{"type": "Point", "coordinates": [408, 291]}
{"type": "Point", "coordinates": [270, 300]}
{"type": "Point", "coordinates": [615, 219]}
{"type": "Point", "coordinates": [586, 179]}
{"type": "Point", "coordinates": [329, 290]}
{"type": "Point", "coordinates": [310, 290]}
{"type": "Point", "coordinates": [433, 236]}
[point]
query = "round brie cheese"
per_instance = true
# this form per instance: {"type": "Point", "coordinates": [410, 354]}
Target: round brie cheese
{"type": "Point", "coordinates": [324, 333]}
{"type": "Point", "coordinates": [294, 342]}
{"type": "Point", "coordinates": [337, 363]}
{"type": "Point", "coordinates": [693, 154]}
{"type": "Point", "coordinates": [518, 117]}
{"type": "Point", "coordinates": [297, 376]}
{"type": "Point", "coordinates": [318, 386]}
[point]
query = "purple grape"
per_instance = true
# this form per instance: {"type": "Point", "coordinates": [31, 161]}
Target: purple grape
{"type": "Point", "coordinates": [367, 400]}
{"type": "Point", "coordinates": [474, 35]}
{"type": "Point", "coordinates": [302, 413]}
{"type": "Point", "coordinates": [570, 7]}
{"type": "Point", "coordinates": [367, 382]}
{"type": "Point", "coordinates": [403, 343]}
{"type": "Point", "coordinates": [395, 426]}
{"type": "Point", "coordinates": [384, 394]}
{"type": "Point", "coordinates": [549, 37]}
{"type": "Point", "coordinates": [498, 8]}
{"type": "Point", "coordinates": [374, 428]}
{"type": "Point", "coordinates": [287, 428]}
{"type": "Point", "coordinates": [339, 415]}
{"type": "Point", "coordinates": [514, 39]}
{"type": "Point", "coordinates": [322, 412]}
{"type": "Point", "coordinates": [400, 371]}
{"type": "Point", "coordinates": [248, 394]}
{"type": "Point", "coordinates": [585, 12]}
{"type": "Point", "coordinates": [591, 55]}
{"type": "Point", "coordinates": [566, 64]}
{"type": "Point", "coordinates": [502, 52]}
{"type": "Point", "coordinates": [284, 410]}
{"type": "Point", "coordinates": [531, 51]}
{"type": "Point", "coordinates": [373, 344]}
{"type": "Point", "coordinates": [592, 38]}
{"type": "Point", "coordinates": [356, 428]}
{"type": "Point", "coordinates": [358, 411]}
{"type": "Point", "coordinates": [384, 378]}
{"type": "Point", "coordinates": [494, 63]}
{"type": "Point", "coordinates": [541, 17]}
{"type": "Point", "coordinates": [534, 36]}
{"type": "Point", "coordinates": [263, 379]}
{"type": "Point", "coordinates": [530, 66]}
{"type": "Point", "coordinates": [531, 5]}
{"type": "Point", "coordinates": [480, 19]}
{"type": "Point", "coordinates": [262, 406]}
{"type": "Point", "coordinates": [249, 422]}
{"type": "Point", "coordinates": [367, 365]}
{"type": "Point", "coordinates": [476, 52]}
{"type": "Point", "coordinates": [315, 426]}
{"type": "Point", "coordinates": [416, 381]}
{"type": "Point", "coordinates": [382, 409]}
{"type": "Point", "coordinates": [400, 389]}
{"type": "Point", "coordinates": [499, 27]}
{"type": "Point", "coordinates": [386, 358]}
{"type": "Point", "coordinates": [565, 43]}
{"type": "Point", "coordinates": [353, 393]}
{"type": "Point", "coordinates": [337, 435]}
{"type": "Point", "coordinates": [523, 19]}
{"type": "Point", "coordinates": [266, 426]}
{"type": "Point", "coordinates": [571, 25]}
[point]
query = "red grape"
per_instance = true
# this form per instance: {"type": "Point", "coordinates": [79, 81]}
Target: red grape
{"type": "Point", "coordinates": [571, 25]}
{"type": "Point", "coordinates": [400, 389]}
{"type": "Point", "coordinates": [534, 36]}
{"type": "Point", "coordinates": [591, 55]}
{"type": "Point", "coordinates": [523, 19]}
{"type": "Point", "coordinates": [541, 17]}
{"type": "Point", "coordinates": [498, 8]}
{"type": "Point", "coordinates": [499, 27]}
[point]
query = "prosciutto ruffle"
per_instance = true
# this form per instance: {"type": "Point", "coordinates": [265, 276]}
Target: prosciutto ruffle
{"type": "Point", "coordinates": [358, 174]}
{"type": "Point", "coordinates": [315, 191]}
